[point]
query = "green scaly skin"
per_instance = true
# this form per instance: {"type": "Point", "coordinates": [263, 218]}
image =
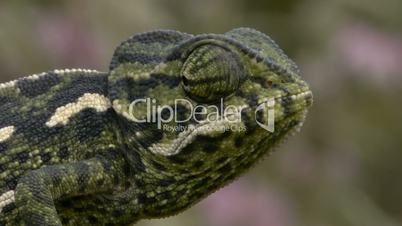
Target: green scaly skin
{"type": "Point", "coordinates": [72, 154]}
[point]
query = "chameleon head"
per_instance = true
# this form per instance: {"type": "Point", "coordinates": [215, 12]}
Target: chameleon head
{"type": "Point", "coordinates": [197, 111]}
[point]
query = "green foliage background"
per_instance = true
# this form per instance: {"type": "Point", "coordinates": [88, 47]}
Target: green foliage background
{"type": "Point", "coordinates": [344, 169]}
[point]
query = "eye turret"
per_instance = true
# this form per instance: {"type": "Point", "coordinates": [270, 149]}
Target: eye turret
{"type": "Point", "coordinates": [211, 72]}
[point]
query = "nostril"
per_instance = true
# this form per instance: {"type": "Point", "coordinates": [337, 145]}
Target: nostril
{"type": "Point", "coordinates": [269, 83]}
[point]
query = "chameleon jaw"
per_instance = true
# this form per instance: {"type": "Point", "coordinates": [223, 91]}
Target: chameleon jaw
{"type": "Point", "coordinates": [188, 136]}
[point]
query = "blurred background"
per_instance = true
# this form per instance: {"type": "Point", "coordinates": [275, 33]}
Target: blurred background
{"type": "Point", "coordinates": [343, 169]}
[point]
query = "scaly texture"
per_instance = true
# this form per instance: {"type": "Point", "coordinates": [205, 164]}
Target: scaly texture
{"type": "Point", "coordinates": [73, 153]}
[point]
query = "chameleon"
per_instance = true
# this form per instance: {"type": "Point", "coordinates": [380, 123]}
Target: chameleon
{"type": "Point", "coordinates": [84, 147]}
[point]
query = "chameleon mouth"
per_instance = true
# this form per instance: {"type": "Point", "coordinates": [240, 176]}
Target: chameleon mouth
{"type": "Point", "coordinates": [304, 95]}
{"type": "Point", "coordinates": [204, 128]}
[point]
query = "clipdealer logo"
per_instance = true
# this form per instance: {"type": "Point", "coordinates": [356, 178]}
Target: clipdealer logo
{"type": "Point", "coordinates": [164, 114]}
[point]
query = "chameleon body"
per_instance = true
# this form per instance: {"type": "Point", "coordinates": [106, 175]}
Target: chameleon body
{"type": "Point", "coordinates": [73, 152]}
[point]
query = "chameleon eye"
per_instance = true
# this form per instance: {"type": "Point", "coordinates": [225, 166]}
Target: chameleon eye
{"type": "Point", "coordinates": [211, 72]}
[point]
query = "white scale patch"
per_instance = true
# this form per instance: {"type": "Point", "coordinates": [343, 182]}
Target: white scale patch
{"type": "Point", "coordinates": [301, 95]}
{"type": "Point", "coordinates": [6, 198]}
{"type": "Point", "coordinates": [12, 84]}
{"type": "Point", "coordinates": [6, 133]}
{"type": "Point", "coordinates": [75, 70]}
{"type": "Point", "coordinates": [89, 100]}
{"type": "Point", "coordinates": [7, 85]}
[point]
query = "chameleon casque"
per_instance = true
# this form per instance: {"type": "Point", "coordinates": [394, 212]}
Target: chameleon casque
{"type": "Point", "coordinates": [71, 152]}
